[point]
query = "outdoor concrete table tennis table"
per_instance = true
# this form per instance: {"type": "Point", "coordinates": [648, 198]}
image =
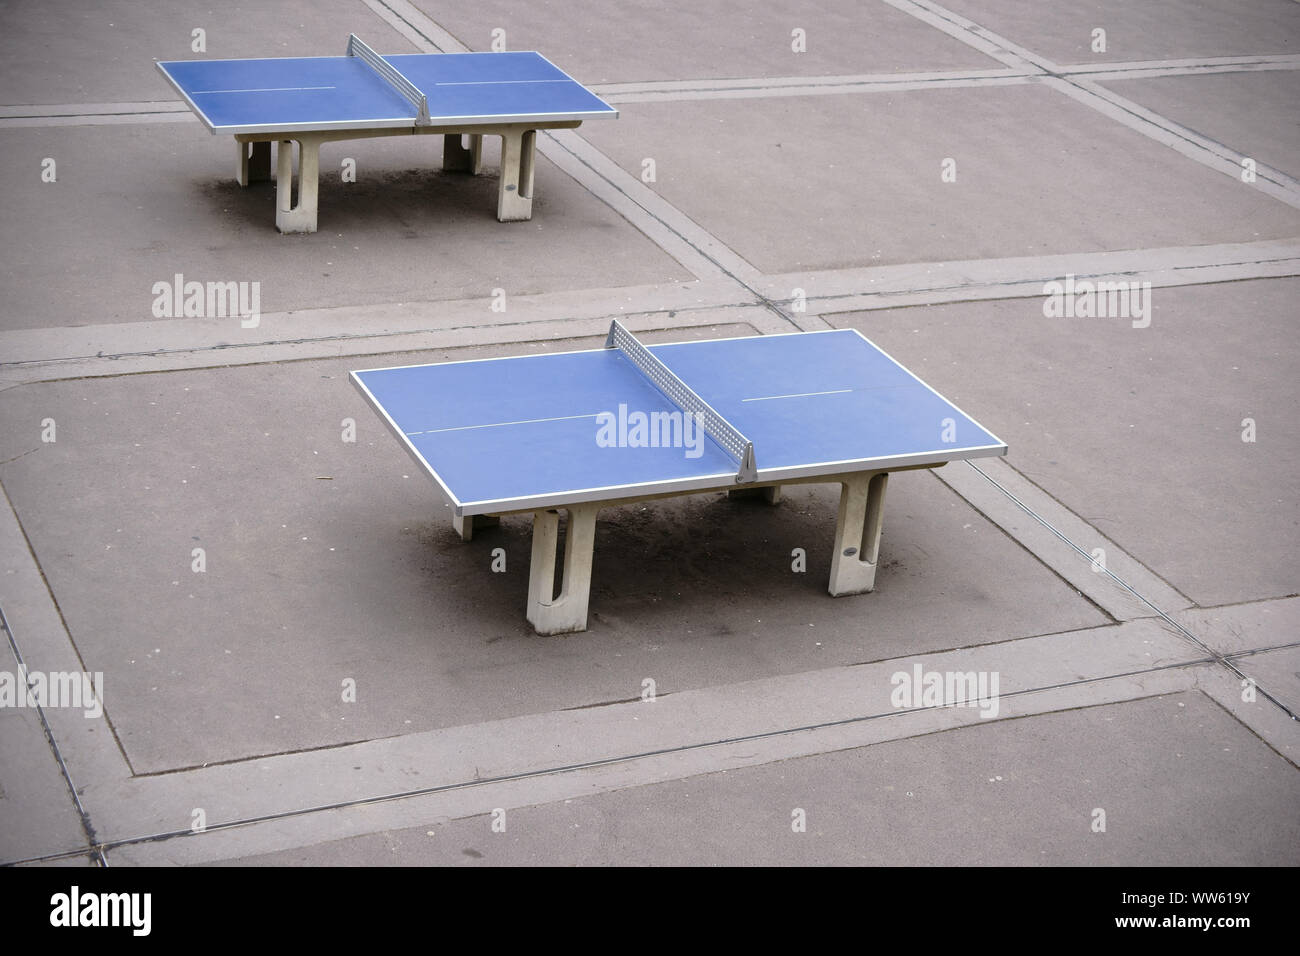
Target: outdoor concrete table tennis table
{"type": "Point", "coordinates": [534, 434]}
{"type": "Point", "coordinates": [314, 100]}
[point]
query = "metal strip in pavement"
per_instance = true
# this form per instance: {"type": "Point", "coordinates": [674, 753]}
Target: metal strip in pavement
{"type": "Point", "coordinates": [995, 489]}
{"type": "Point", "coordinates": [478, 798]}
{"type": "Point", "coordinates": [1141, 69]}
{"type": "Point", "coordinates": [778, 83]}
{"type": "Point", "coordinates": [43, 111]}
{"type": "Point", "coordinates": [820, 89]}
{"type": "Point", "coordinates": [931, 283]}
{"type": "Point", "coordinates": [412, 23]}
{"type": "Point", "coordinates": [159, 344]}
{"type": "Point", "coordinates": [795, 705]}
{"type": "Point", "coordinates": [1189, 143]}
{"type": "Point", "coordinates": [156, 345]}
{"type": "Point", "coordinates": [969, 33]}
{"type": "Point", "coordinates": [755, 318]}
{"type": "Point", "coordinates": [97, 119]}
{"type": "Point", "coordinates": [1209, 153]}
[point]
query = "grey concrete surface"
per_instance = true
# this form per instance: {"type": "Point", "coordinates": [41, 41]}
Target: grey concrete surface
{"type": "Point", "coordinates": [104, 52]}
{"type": "Point", "coordinates": [1246, 628]}
{"type": "Point", "coordinates": [1061, 30]}
{"type": "Point", "coordinates": [341, 558]}
{"type": "Point", "coordinates": [326, 561]}
{"type": "Point", "coordinates": [1206, 792]}
{"type": "Point", "coordinates": [36, 809]}
{"type": "Point", "coordinates": [466, 771]}
{"type": "Point", "coordinates": [458, 771]}
{"type": "Point", "coordinates": [831, 181]}
{"type": "Point", "coordinates": [1279, 671]}
{"type": "Point", "coordinates": [91, 253]}
{"type": "Point", "coordinates": [1140, 430]}
{"type": "Point", "coordinates": [604, 42]}
{"type": "Point", "coordinates": [1255, 112]}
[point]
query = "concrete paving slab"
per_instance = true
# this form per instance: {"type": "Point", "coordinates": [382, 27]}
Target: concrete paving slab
{"type": "Point", "coordinates": [404, 231]}
{"type": "Point", "coordinates": [339, 558]}
{"type": "Point", "coordinates": [807, 183]}
{"type": "Point", "coordinates": [676, 233]}
{"type": "Point", "coordinates": [458, 771]}
{"type": "Point", "coordinates": [325, 565]}
{"type": "Point", "coordinates": [678, 91]}
{"type": "Point", "coordinates": [1074, 549]}
{"type": "Point", "coordinates": [1186, 66]}
{"type": "Point", "coordinates": [1243, 628]}
{"type": "Point", "coordinates": [30, 351]}
{"type": "Point", "coordinates": [70, 862]}
{"type": "Point", "coordinates": [932, 283]}
{"type": "Point", "coordinates": [105, 51]}
{"type": "Point", "coordinates": [1139, 431]}
{"type": "Point", "coordinates": [626, 41]}
{"type": "Point", "coordinates": [1271, 720]}
{"type": "Point", "coordinates": [38, 636]}
{"type": "Point", "coordinates": [33, 819]}
{"type": "Point", "coordinates": [1278, 672]}
{"type": "Point", "coordinates": [1254, 113]}
{"type": "Point", "coordinates": [200, 348]}
{"type": "Point", "coordinates": [1202, 150]}
{"type": "Point", "coordinates": [93, 114]}
{"type": "Point", "coordinates": [1180, 782]}
{"type": "Point", "coordinates": [1062, 30]}
{"type": "Point", "coordinates": [474, 798]}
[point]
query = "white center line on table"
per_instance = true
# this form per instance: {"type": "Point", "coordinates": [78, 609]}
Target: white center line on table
{"type": "Point", "coordinates": [494, 82]}
{"type": "Point", "coordinates": [768, 398]}
{"type": "Point", "coordinates": [269, 89]}
{"type": "Point", "coordinates": [529, 421]}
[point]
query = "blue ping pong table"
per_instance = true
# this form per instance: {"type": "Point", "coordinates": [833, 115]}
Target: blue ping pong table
{"type": "Point", "coordinates": [313, 100]}
{"type": "Point", "coordinates": [584, 430]}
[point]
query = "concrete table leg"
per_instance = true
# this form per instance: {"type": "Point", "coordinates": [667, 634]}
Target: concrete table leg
{"type": "Point", "coordinates": [466, 526]}
{"type": "Point", "coordinates": [457, 158]}
{"type": "Point", "coordinates": [568, 612]}
{"type": "Point", "coordinates": [771, 494]}
{"type": "Point", "coordinates": [254, 162]}
{"type": "Point", "coordinates": [857, 534]}
{"type": "Point", "coordinates": [515, 194]}
{"type": "Point", "coordinates": [300, 217]}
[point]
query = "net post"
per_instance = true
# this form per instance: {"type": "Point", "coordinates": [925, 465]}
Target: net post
{"type": "Point", "coordinates": [748, 469]}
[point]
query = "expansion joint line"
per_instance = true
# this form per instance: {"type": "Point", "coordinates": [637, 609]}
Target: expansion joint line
{"type": "Point", "coordinates": [82, 815]}
{"type": "Point", "coordinates": [1214, 655]}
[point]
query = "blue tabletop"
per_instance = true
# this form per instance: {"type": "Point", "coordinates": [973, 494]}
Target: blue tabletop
{"type": "Point", "coordinates": [546, 430]}
{"type": "Point", "coordinates": [343, 92]}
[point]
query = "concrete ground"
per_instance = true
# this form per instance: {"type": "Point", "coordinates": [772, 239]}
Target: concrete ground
{"type": "Point", "coordinates": [345, 682]}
